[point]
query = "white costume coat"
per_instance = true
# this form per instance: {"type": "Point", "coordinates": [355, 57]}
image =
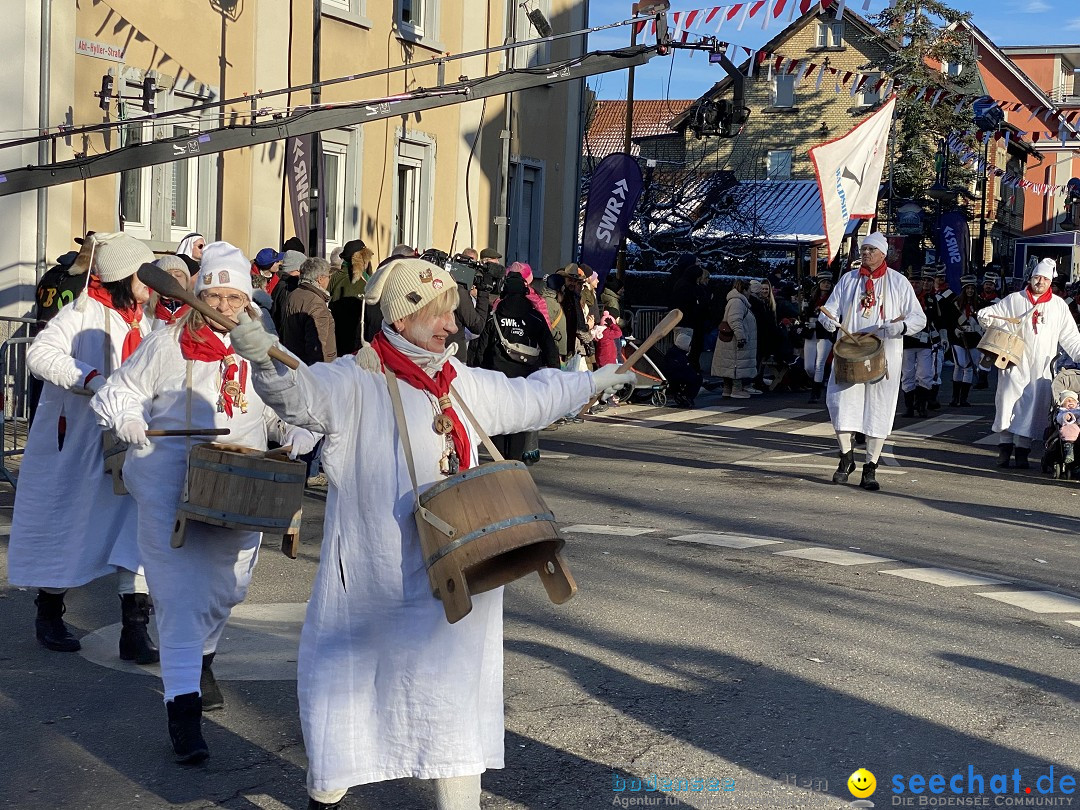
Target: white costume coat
{"type": "Point", "coordinates": [68, 527]}
{"type": "Point", "coordinates": [196, 586]}
{"type": "Point", "coordinates": [859, 407]}
{"type": "Point", "coordinates": [388, 688]}
{"type": "Point", "coordinates": [1023, 391]}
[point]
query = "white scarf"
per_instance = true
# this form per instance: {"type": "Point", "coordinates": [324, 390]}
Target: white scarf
{"type": "Point", "coordinates": [430, 362]}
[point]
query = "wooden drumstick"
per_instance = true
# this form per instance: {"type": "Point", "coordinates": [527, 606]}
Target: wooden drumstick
{"type": "Point", "coordinates": [671, 320]}
{"type": "Point", "coordinates": [836, 320]}
{"type": "Point", "coordinates": [192, 432]}
{"type": "Point", "coordinates": [162, 283]}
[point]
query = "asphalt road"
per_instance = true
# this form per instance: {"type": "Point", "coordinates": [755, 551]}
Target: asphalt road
{"type": "Point", "coordinates": [715, 636]}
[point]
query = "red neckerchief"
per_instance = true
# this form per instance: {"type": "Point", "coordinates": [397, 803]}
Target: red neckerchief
{"type": "Point", "coordinates": [205, 346]}
{"type": "Point", "coordinates": [271, 283]}
{"type": "Point", "coordinates": [132, 316]}
{"type": "Point", "coordinates": [439, 387]}
{"type": "Point", "coordinates": [163, 313]}
{"type": "Point", "coordinates": [869, 297]}
{"type": "Point", "coordinates": [1036, 316]}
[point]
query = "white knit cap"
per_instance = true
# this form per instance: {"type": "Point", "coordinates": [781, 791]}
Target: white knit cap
{"type": "Point", "coordinates": [876, 240]}
{"type": "Point", "coordinates": [405, 286]}
{"type": "Point", "coordinates": [1047, 268]}
{"type": "Point", "coordinates": [117, 256]}
{"type": "Point", "coordinates": [223, 265]}
{"type": "Point", "coordinates": [1067, 395]}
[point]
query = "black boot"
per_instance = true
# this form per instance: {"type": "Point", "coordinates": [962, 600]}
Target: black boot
{"type": "Point", "coordinates": [869, 477]}
{"type": "Point", "coordinates": [314, 805]}
{"type": "Point", "coordinates": [983, 381]}
{"type": "Point", "coordinates": [845, 468]}
{"type": "Point", "coordinates": [1004, 452]}
{"type": "Point", "coordinates": [815, 394]}
{"type": "Point", "coordinates": [135, 642]}
{"type": "Point", "coordinates": [909, 404]}
{"type": "Point", "coordinates": [932, 400]}
{"type": "Point", "coordinates": [920, 402]}
{"type": "Point", "coordinates": [185, 728]}
{"type": "Point", "coordinates": [955, 401]}
{"type": "Point", "coordinates": [1021, 454]}
{"type": "Point", "coordinates": [211, 696]}
{"type": "Point", "coordinates": [50, 628]}
{"type": "Point", "coordinates": [965, 389]}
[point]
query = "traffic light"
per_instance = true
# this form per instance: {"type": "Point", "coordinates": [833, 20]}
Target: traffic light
{"type": "Point", "coordinates": [149, 92]}
{"type": "Point", "coordinates": [105, 96]}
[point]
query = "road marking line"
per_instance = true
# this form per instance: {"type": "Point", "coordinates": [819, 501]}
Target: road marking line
{"type": "Point", "coordinates": [266, 802]}
{"type": "Point", "coordinates": [991, 439]}
{"type": "Point", "coordinates": [1037, 601]}
{"type": "Point", "coordinates": [929, 428]}
{"type": "Point", "coordinates": [1073, 622]}
{"type": "Point", "coordinates": [547, 454]}
{"type": "Point", "coordinates": [945, 577]}
{"type": "Point", "coordinates": [820, 430]}
{"type": "Point", "coordinates": [725, 540]}
{"type": "Point", "coordinates": [620, 531]}
{"type": "Point", "coordinates": [653, 418]}
{"type": "Point", "coordinates": [771, 462]}
{"type": "Point", "coordinates": [833, 556]}
{"type": "Point", "coordinates": [761, 420]}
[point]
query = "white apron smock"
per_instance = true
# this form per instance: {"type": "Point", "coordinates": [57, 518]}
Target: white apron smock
{"type": "Point", "coordinates": [388, 688]}
{"type": "Point", "coordinates": [1023, 391]}
{"type": "Point", "coordinates": [68, 527]}
{"type": "Point", "coordinates": [861, 407]}
{"type": "Point", "coordinates": [195, 587]}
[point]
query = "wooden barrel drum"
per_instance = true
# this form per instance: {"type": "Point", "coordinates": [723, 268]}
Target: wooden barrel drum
{"type": "Point", "coordinates": [496, 528]}
{"type": "Point", "coordinates": [245, 489]}
{"type": "Point", "coordinates": [859, 358]}
{"type": "Point", "coordinates": [1003, 346]}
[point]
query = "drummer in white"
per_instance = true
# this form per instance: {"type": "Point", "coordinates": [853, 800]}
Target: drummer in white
{"type": "Point", "coordinates": [1023, 391]}
{"type": "Point", "coordinates": [878, 301]}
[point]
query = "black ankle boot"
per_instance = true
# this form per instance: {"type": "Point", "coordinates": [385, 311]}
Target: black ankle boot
{"type": "Point", "coordinates": [212, 698]}
{"type": "Point", "coordinates": [983, 381]}
{"type": "Point", "coordinates": [965, 389]}
{"type": "Point", "coordinates": [869, 477]}
{"type": "Point", "coordinates": [920, 402]}
{"type": "Point", "coordinates": [135, 642]}
{"type": "Point", "coordinates": [1004, 452]}
{"type": "Point", "coordinates": [932, 400]}
{"type": "Point", "coordinates": [51, 631]}
{"type": "Point", "coordinates": [314, 805]}
{"type": "Point", "coordinates": [185, 728]}
{"type": "Point", "coordinates": [1021, 454]}
{"type": "Point", "coordinates": [815, 393]}
{"type": "Point", "coordinates": [845, 468]}
{"type": "Point", "coordinates": [909, 404]}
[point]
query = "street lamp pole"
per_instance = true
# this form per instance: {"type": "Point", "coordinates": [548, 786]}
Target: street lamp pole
{"type": "Point", "coordinates": [982, 215]}
{"type": "Point", "coordinates": [620, 257]}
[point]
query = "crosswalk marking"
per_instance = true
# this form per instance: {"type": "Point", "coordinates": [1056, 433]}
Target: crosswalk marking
{"type": "Point", "coordinates": [833, 556]}
{"type": "Point", "coordinates": [819, 430]}
{"type": "Point", "coordinates": [657, 416]}
{"type": "Point", "coordinates": [1037, 601]}
{"type": "Point", "coordinates": [620, 531]}
{"type": "Point", "coordinates": [991, 439]}
{"type": "Point", "coordinates": [945, 577]}
{"type": "Point", "coordinates": [725, 540]}
{"type": "Point", "coordinates": [928, 428]}
{"type": "Point", "coordinates": [761, 420]}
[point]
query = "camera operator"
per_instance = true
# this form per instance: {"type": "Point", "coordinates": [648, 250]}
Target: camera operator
{"type": "Point", "coordinates": [469, 315]}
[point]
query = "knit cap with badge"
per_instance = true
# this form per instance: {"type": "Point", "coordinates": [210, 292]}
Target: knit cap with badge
{"type": "Point", "coordinates": [224, 265]}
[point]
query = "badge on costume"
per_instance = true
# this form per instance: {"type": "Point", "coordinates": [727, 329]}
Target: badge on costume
{"type": "Point", "coordinates": [437, 284]}
{"type": "Point", "coordinates": [425, 276]}
{"type": "Point", "coordinates": [208, 278]}
{"type": "Point", "coordinates": [223, 277]}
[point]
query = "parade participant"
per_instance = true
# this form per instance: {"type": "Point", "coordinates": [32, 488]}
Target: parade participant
{"type": "Point", "coordinates": [167, 311]}
{"type": "Point", "coordinates": [184, 377]}
{"type": "Point", "coordinates": [876, 300]}
{"type": "Point", "coordinates": [817, 340]}
{"type": "Point", "coordinates": [964, 335]}
{"type": "Point", "coordinates": [939, 320]}
{"type": "Point", "coordinates": [388, 688]}
{"type": "Point", "coordinates": [89, 531]}
{"type": "Point", "coordinates": [989, 295]}
{"type": "Point", "coordinates": [1023, 390]}
{"type": "Point", "coordinates": [917, 376]}
{"type": "Point", "coordinates": [190, 251]}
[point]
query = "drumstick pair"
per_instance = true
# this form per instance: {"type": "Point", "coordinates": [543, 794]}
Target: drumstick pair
{"type": "Point", "coordinates": [840, 326]}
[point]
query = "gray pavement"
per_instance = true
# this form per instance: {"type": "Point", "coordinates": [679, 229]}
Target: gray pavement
{"type": "Point", "coordinates": [716, 635]}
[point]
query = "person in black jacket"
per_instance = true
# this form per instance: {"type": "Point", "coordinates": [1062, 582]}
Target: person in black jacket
{"type": "Point", "coordinates": [517, 341]}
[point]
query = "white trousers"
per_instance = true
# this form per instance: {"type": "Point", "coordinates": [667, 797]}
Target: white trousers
{"type": "Point", "coordinates": [964, 364]}
{"type": "Point", "coordinates": [815, 354]}
{"type": "Point", "coordinates": [918, 369]}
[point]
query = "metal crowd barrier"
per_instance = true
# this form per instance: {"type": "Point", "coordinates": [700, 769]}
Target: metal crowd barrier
{"type": "Point", "coordinates": [645, 320]}
{"type": "Point", "coordinates": [15, 392]}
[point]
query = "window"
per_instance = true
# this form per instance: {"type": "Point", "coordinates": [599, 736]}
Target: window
{"type": "Point", "coordinates": [413, 193]}
{"type": "Point", "coordinates": [783, 90]}
{"type": "Point", "coordinates": [531, 55]}
{"type": "Point", "coordinates": [135, 185]}
{"type": "Point", "coordinates": [779, 165]}
{"type": "Point", "coordinates": [526, 212]}
{"type": "Point", "coordinates": [339, 186]}
{"type": "Point", "coordinates": [952, 68]}
{"type": "Point", "coordinates": [871, 92]}
{"type": "Point", "coordinates": [332, 189]}
{"type": "Point", "coordinates": [830, 34]}
{"type": "Point", "coordinates": [349, 10]}
{"type": "Point", "coordinates": [418, 21]}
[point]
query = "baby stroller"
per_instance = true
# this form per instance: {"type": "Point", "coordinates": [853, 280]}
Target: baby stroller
{"type": "Point", "coordinates": [649, 384]}
{"type": "Point", "coordinates": [1066, 378]}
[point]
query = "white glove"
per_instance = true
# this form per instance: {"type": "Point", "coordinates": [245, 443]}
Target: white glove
{"type": "Point", "coordinates": [609, 378]}
{"type": "Point", "coordinates": [132, 432]}
{"type": "Point", "coordinates": [95, 384]}
{"type": "Point", "coordinates": [251, 340]}
{"type": "Point", "coordinates": [892, 330]}
{"type": "Point", "coordinates": [301, 440]}
{"type": "Point", "coordinates": [828, 323]}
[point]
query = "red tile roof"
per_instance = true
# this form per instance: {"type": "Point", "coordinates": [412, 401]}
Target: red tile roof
{"type": "Point", "coordinates": [607, 129]}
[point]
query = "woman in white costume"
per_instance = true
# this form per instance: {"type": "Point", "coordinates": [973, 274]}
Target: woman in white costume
{"type": "Point", "coordinates": [186, 376]}
{"type": "Point", "coordinates": [68, 527]}
{"type": "Point", "coordinates": [879, 301]}
{"type": "Point", "coordinates": [167, 311]}
{"type": "Point", "coordinates": [388, 688]}
{"type": "Point", "coordinates": [1023, 390]}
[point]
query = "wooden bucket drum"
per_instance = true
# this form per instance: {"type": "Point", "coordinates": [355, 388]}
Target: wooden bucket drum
{"type": "Point", "coordinates": [1003, 346]}
{"type": "Point", "coordinates": [499, 530]}
{"type": "Point", "coordinates": [859, 359]}
{"type": "Point", "coordinates": [241, 488]}
{"type": "Point", "coordinates": [114, 451]}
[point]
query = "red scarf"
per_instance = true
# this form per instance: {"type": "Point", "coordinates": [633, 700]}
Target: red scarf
{"type": "Point", "coordinates": [439, 387]}
{"type": "Point", "coordinates": [1036, 316]}
{"type": "Point", "coordinates": [132, 316]}
{"type": "Point", "coordinates": [164, 314]}
{"type": "Point", "coordinates": [869, 297]}
{"type": "Point", "coordinates": [207, 347]}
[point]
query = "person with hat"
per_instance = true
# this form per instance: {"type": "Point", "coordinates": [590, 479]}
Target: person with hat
{"type": "Point", "coordinates": [1067, 418]}
{"type": "Point", "coordinates": [190, 251]}
{"type": "Point", "coordinates": [817, 340]}
{"type": "Point", "coordinates": [346, 291]}
{"type": "Point", "coordinates": [965, 332]}
{"type": "Point", "coordinates": [879, 301]}
{"type": "Point", "coordinates": [166, 311]}
{"type": "Point", "coordinates": [991, 284]}
{"type": "Point", "coordinates": [266, 263]}
{"type": "Point", "coordinates": [388, 688]}
{"type": "Point", "coordinates": [1023, 392]}
{"type": "Point", "coordinates": [69, 528]}
{"type": "Point", "coordinates": [940, 316]}
{"type": "Point", "coordinates": [188, 376]}
{"type": "Point", "coordinates": [917, 375]}
{"type": "Point", "coordinates": [288, 280]}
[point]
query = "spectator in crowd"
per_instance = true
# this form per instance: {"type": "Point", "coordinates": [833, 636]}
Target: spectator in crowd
{"type": "Point", "coordinates": [346, 293]}
{"type": "Point", "coordinates": [288, 280]}
{"type": "Point", "coordinates": [267, 263]}
{"type": "Point", "coordinates": [190, 250]}
{"type": "Point", "coordinates": [735, 360]}
{"type": "Point", "coordinates": [684, 378]}
{"type": "Point", "coordinates": [307, 325]}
